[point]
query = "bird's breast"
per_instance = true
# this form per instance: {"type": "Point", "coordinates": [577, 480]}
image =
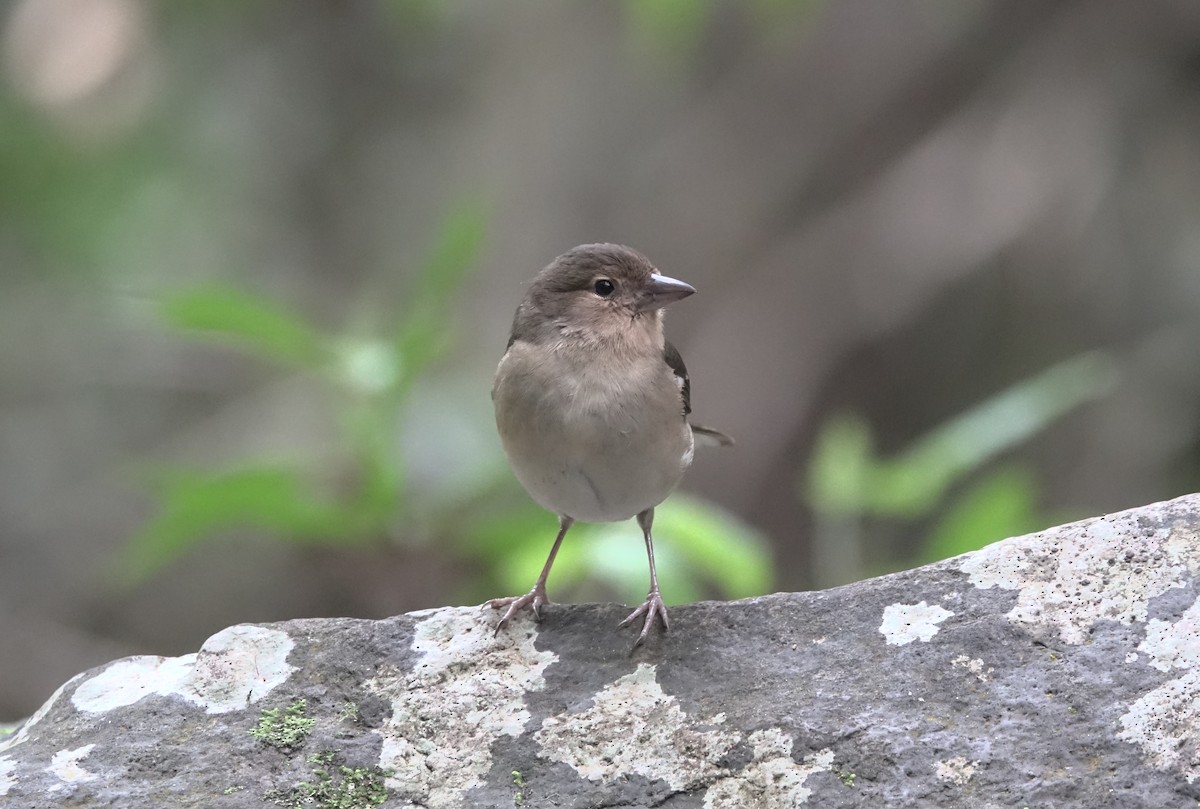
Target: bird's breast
{"type": "Point", "coordinates": [597, 441]}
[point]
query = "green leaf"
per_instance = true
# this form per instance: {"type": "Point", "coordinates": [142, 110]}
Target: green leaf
{"type": "Point", "coordinates": [1004, 504]}
{"type": "Point", "coordinates": [454, 253]}
{"type": "Point", "coordinates": [194, 506]}
{"type": "Point", "coordinates": [424, 333]}
{"type": "Point", "coordinates": [697, 546]}
{"type": "Point", "coordinates": [841, 467]}
{"type": "Point", "coordinates": [379, 497]}
{"type": "Point", "coordinates": [912, 483]}
{"type": "Point", "coordinates": [715, 546]}
{"type": "Point", "coordinates": [66, 199]}
{"type": "Point", "coordinates": [676, 25]}
{"type": "Point", "coordinates": [248, 321]}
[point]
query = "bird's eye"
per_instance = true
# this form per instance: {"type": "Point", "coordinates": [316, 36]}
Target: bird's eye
{"type": "Point", "coordinates": [604, 287]}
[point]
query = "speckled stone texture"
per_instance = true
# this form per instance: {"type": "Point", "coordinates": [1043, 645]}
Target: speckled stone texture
{"type": "Point", "coordinates": [1059, 669]}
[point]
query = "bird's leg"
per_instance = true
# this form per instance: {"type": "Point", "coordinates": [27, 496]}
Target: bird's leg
{"type": "Point", "coordinates": [653, 607]}
{"type": "Point", "coordinates": [535, 598]}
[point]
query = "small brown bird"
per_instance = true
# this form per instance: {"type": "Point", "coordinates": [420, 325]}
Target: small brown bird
{"type": "Point", "coordinates": [592, 402]}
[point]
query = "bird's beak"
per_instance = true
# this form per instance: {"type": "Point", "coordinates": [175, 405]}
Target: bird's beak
{"type": "Point", "coordinates": [663, 290]}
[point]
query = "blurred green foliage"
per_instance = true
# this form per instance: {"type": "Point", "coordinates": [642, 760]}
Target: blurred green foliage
{"type": "Point", "coordinates": [370, 379]}
{"type": "Point", "coordinates": [699, 548]}
{"type": "Point", "coordinates": [487, 520]}
{"type": "Point", "coordinates": [678, 27]}
{"type": "Point", "coordinates": [250, 322]}
{"type": "Point", "coordinates": [847, 483]}
{"type": "Point", "coordinates": [59, 199]}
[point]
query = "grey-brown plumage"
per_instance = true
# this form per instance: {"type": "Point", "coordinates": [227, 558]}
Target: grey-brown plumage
{"type": "Point", "coordinates": [592, 402]}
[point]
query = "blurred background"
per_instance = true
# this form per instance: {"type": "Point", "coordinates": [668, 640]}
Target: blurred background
{"type": "Point", "coordinates": [258, 261]}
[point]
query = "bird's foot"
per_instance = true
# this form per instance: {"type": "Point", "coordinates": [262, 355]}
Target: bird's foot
{"type": "Point", "coordinates": [653, 608]}
{"type": "Point", "coordinates": [535, 599]}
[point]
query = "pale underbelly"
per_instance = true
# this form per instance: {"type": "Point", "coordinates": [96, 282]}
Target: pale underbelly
{"type": "Point", "coordinates": [597, 478]}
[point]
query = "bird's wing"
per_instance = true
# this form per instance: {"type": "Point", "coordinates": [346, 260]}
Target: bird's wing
{"type": "Point", "coordinates": [675, 361]}
{"type": "Point", "coordinates": [519, 328]}
{"type": "Point", "coordinates": [704, 435]}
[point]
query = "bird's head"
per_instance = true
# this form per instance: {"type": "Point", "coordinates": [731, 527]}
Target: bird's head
{"type": "Point", "coordinates": [601, 293]}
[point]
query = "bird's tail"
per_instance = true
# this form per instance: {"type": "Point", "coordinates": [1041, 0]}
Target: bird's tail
{"type": "Point", "coordinates": [708, 437]}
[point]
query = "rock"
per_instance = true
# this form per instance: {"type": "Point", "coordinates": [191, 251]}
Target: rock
{"type": "Point", "coordinates": [1059, 669]}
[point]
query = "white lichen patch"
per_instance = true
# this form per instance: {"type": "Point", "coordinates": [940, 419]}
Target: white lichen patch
{"type": "Point", "coordinates": [467, 690]}
{"type": "Point", "coordinates": [233, 668]}
{"type": "Point", "coordinates": [237, 666]}
{"type": "Point", "coordinates": [124, 682]}
{"type": "Point", "coordinates": [1165, 724]}
{"type": "Point", "coordinates": [1070, 577]}
{"type": "Point", "coordinates": [973, 665]}
{"type": "Point", "coordinates": [773, 780]}
{"type": "Point", "coordinates": [955, 770]}
{"type": "Point", "coordinates": [633, 728]}
{"type": "Point", "coordinates": [65, 766]}
{"type": "Point", "coordinates": [904, 623]}
{"type": "Point", "coordinates": [7, 780]}
{"type": "Point", "coordinates": [1174, 644]}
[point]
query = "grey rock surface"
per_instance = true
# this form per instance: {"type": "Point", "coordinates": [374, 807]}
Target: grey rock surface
{"type": "Point", "coordinates": [1059, 669]}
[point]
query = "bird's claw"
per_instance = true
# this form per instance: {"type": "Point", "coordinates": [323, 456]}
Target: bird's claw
{"type": "Point", "coordinates": [535, 599]}
{"type": "Point", "coordinates": [653, 608]}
